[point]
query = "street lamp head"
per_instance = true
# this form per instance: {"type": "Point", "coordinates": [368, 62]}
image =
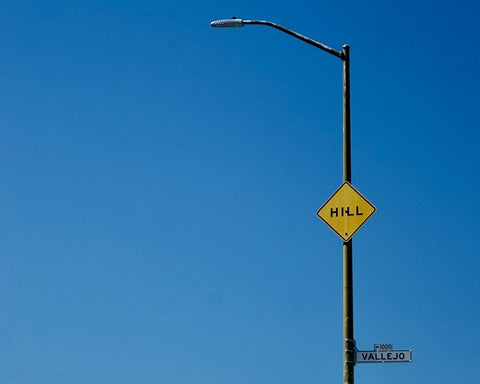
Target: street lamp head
{"type": "Point", "coordinates": [228, 23]}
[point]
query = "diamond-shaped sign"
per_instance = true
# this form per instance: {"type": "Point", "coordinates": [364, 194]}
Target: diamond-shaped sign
{"type": "Point", "coordinates": [346, 211]}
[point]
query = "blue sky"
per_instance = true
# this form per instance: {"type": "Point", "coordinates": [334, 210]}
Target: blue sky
{"type": "Point", "coordinates": [160, 180]}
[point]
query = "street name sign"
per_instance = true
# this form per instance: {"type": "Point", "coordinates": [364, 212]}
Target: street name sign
{"type": "Point", "coordinates": [383, 353]}
{"type": "Point", "coordinates": [346, 211]}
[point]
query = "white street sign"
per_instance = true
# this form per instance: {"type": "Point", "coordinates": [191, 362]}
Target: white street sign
{"type": "Point", "coordinates": [387, 356]}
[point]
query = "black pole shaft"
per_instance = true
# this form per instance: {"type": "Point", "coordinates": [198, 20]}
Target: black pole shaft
{"type": "Point", "coordinates": [348, 337]}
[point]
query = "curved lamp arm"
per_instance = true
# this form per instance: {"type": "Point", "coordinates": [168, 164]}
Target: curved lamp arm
{"type": "Point", "coordinates": [236, 23]}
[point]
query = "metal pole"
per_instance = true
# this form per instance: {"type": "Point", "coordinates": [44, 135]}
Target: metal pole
{"type": "Point", "coordinates": [348, 338]}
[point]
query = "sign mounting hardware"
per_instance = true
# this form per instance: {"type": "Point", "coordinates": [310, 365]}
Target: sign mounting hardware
{"type": "Point", "coordinates": [346, 211]}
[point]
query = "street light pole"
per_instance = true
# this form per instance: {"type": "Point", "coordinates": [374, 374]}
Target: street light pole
{"type": "Point", "coordinates": [348, 337]}
{"type": "Point", "coordinates": [344, 55]}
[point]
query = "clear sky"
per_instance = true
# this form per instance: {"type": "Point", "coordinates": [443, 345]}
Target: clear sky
{"type": "Point", "coordinates": [160, 179]}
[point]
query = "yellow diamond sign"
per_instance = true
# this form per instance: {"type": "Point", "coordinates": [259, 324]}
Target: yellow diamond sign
{"type": "Point", "coordinates": [346, 211]}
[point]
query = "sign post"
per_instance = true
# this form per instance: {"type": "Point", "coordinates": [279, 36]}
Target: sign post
{"type": "Point", "coordinates": [345, 212]}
